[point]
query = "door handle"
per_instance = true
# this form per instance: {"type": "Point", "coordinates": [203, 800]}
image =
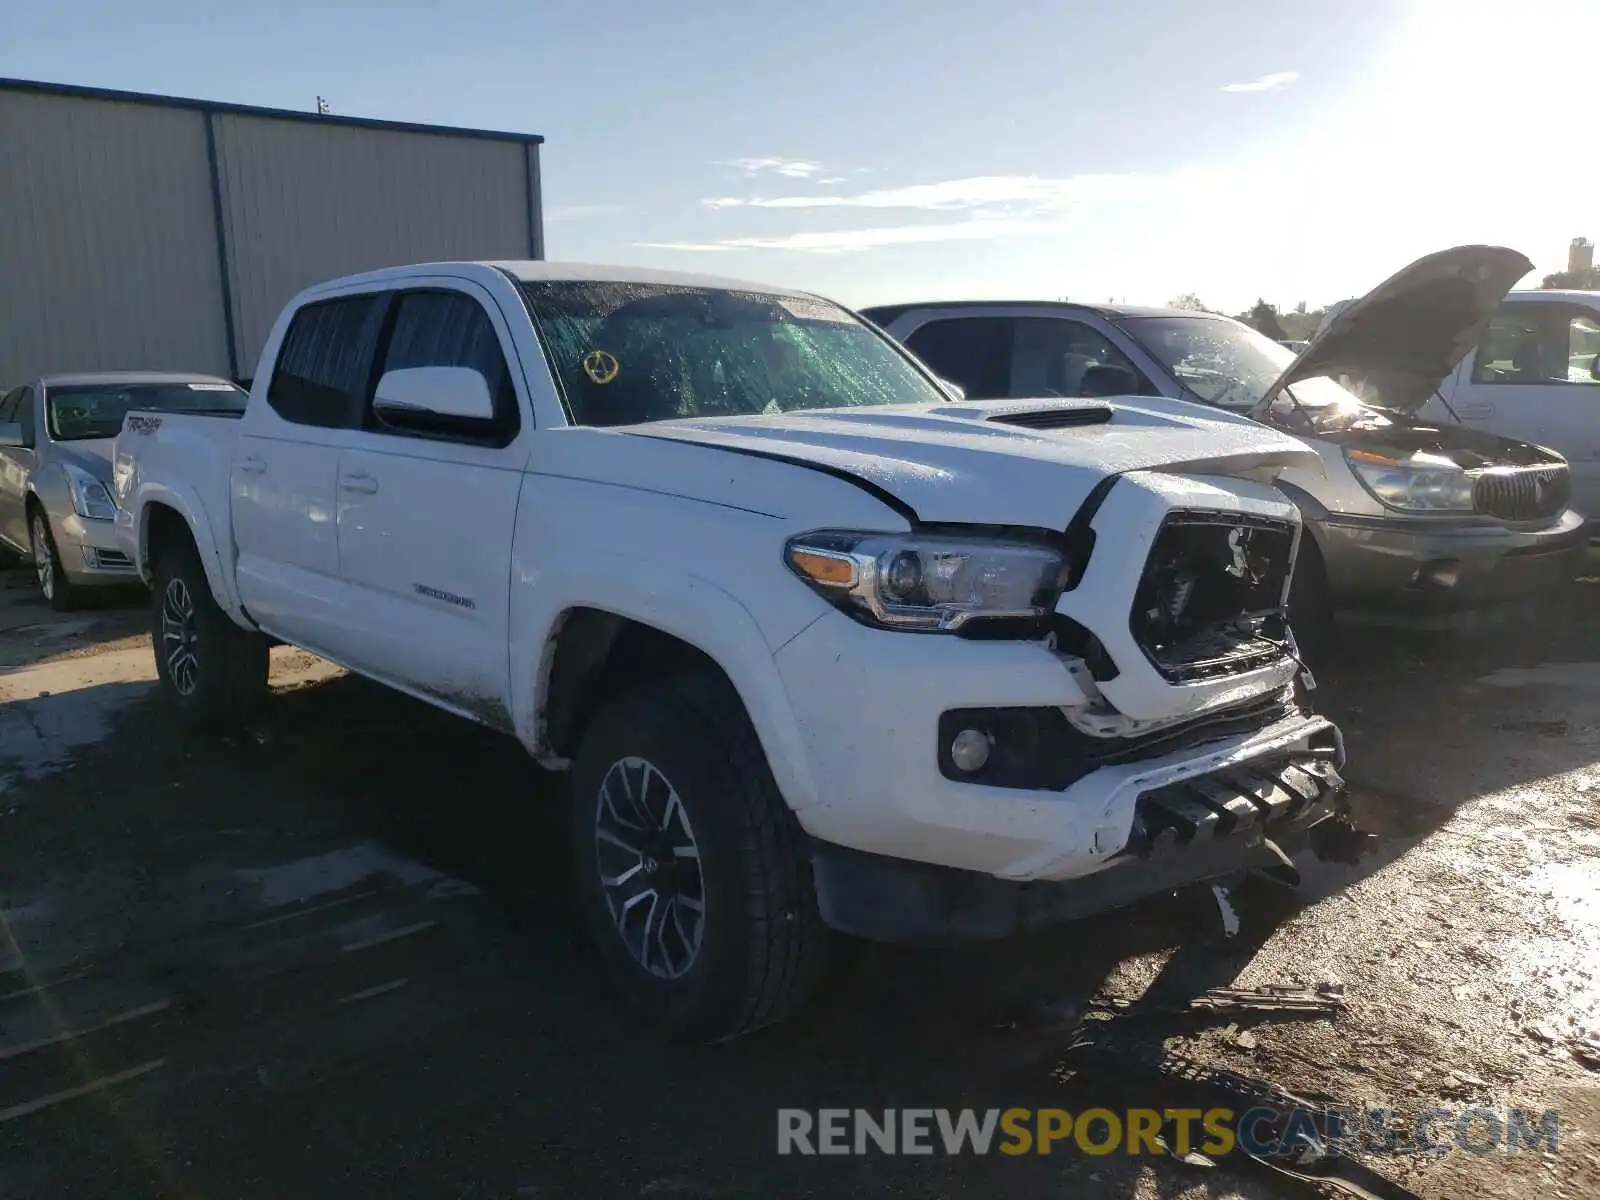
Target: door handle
{"type": "Point", "coordinates": [253, 464]}
{"type": "Point", "coordinates": [359, 483]}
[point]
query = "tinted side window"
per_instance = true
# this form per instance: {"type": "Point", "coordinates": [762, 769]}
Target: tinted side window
{"type": "Point", "coordinates": [323, 364]}
{"type": "Point", "coordinates": [23, 415]}
{"type": "Point", "coordinates": [1583, 348]}
{"type": "Point", "coordinates": [1534, 343]}
{"type": "Point", "coordinates": [972, 351]}
{"type": "Point", "coordinates": [450, 329]}
{"type": "Point", "coordinates": [1057, 357]}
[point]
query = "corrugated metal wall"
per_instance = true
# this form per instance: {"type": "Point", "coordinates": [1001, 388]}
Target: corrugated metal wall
{"type": "Point", "coordinates": [117, 211]}
{"type": "Point", "coordinates": [302, 203]}
{"type": "Point", "coordinates": [107, 256]}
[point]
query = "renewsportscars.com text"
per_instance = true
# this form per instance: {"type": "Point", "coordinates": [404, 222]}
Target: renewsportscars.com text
{"type": "Point", "coordinates": [1262, 1131]}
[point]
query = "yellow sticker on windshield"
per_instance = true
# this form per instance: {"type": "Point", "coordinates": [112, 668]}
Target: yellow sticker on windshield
{"type": "Point", "coordinates": [601, 366]}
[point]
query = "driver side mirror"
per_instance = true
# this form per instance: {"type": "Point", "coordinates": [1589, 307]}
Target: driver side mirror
{"type": "Point", "coordinates": [11, 435]}
{"type": "Point", "coordinates": [451, 392]}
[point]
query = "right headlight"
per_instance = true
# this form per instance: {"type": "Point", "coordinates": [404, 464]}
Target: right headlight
{"type": "Point", "coordinates": [929, 583]}
{"type": "Point", "coordinates": [1421, 483]}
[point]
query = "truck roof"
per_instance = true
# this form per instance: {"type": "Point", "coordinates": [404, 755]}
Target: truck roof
{"type": "Point", "coordinates": [884, 313]}
{"type": "Point", "coordinates": [536, 271]}
{"type": "Point", "coordinates": [1576, 295]}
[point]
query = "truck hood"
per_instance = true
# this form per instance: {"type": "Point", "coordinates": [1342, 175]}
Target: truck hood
{"type": "Point", "coordinates": [1407, 334]}
{"type": "Point", "coordinates": [998, 462]}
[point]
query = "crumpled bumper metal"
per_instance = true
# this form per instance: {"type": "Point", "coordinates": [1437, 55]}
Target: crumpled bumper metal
{"type": "Point", "coordinates": [1202, 829]}
{"type": "Point", "coordinates": [1239, 804]}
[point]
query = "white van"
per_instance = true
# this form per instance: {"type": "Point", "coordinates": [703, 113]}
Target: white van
{"type": "Point", "coordinates": [1535, 375]}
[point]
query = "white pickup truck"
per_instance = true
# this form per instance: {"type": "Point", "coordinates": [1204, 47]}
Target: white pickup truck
{"type": "Point", "coordinates": [819, 645]}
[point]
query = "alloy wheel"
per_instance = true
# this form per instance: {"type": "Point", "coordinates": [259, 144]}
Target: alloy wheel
{"type": "Point", "coordinates": [649, 864]}
{"type": "Point", "coordinates": [180, 637]}
{"type": "Point", "coordinates": [43, 561]}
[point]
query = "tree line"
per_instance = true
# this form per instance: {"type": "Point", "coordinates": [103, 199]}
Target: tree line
{"type": "Point", "coordinates": [1296, 325]}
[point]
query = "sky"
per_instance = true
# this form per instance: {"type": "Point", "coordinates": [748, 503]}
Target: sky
{"type": "Point", "coordinates": [884, 150]}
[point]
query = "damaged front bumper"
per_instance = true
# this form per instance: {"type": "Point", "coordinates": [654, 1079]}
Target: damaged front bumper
{"type": "Point", "coordinates": [1250, 807]}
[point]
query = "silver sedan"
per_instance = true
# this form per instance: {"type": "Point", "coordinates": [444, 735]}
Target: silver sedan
{"type": "Point", "coordinates": [56, 437]}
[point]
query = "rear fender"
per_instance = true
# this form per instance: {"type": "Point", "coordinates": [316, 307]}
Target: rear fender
{"type": "Point", "coordinates": [184, 501]}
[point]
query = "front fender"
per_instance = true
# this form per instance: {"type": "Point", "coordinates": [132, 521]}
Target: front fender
{"type": "Point", "coordinates": [133, 535]}
{"type": "Point", "coordinates": [687, 607]}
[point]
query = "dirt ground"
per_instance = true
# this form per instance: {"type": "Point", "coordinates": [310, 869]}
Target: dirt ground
{"type": "Point", "coordinates": [334, 958]}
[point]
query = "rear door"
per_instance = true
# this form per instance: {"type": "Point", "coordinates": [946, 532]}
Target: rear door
{"type": "Point", "coordinates": [425, 515]}
{"type": "Point", "coordinates": [285, 469]}
{"type": "Point", "coordinates": [1532, 378]}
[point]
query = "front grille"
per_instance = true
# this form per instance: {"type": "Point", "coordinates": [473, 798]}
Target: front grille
{"type": "Point", "coordinates": [1522, 493]}
{"type": "Point", "coordinates": [1211, 600]}
{"type": "Point", "coordinates": [1056, 418]}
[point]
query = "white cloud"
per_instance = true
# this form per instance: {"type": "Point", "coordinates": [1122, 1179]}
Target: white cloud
{"type": "Point", "coordinates": [789, 168]}
{"type": "Point", "coordinates": [1265, 83]}
{"type": "Point", "coordinates": [577, 212]}
{"type": "Point", "coordinates": [845, 241]}
{"type": "Point", "coordinates": [990, 207]}
{"type": "Point", "coordinates": [1006, 194]}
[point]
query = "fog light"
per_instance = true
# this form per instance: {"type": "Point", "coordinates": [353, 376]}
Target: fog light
{"type": "Point", "coordinates": [969, 750]}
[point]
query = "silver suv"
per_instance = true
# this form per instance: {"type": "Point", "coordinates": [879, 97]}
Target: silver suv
{"type": "Point", "coordinates": [1413, 522]}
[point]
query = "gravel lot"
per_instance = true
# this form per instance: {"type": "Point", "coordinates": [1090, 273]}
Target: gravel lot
{"type": "Point", "coordinates": [334, 958]}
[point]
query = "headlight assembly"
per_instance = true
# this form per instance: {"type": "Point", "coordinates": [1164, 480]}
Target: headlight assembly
{"type": "Point", "coordinates": [1421, 483]}
{"type": "Point", "coordinates": [89, 496]}
{"type": "Point", "coordinates": [929, 583]}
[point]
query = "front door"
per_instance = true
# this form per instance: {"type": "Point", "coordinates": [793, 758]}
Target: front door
{"type": "Point", "coordinates": [426, 515]}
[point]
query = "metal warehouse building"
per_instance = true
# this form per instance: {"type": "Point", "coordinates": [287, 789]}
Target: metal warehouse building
{"type": "Point", "coordinates": [141, 231]}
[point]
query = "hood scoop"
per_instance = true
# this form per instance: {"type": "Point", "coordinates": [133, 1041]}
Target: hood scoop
{"type": "Point", "coordinates": [1056, 418]}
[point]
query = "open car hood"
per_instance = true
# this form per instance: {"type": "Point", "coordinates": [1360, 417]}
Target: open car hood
{"type": "Point", "coordinates": [1405, 336]}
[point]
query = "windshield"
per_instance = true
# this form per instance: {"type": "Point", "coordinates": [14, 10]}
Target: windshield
{"type": "Point", "coordinates": [1228, 364]}
{"type": "Point", "coordinates": [84, 411]}
{"type": "Point", "coordinates": [626, 353]}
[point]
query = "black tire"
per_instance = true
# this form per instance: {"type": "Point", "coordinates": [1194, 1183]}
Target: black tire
{"type": "Point", "coordinates": [760, 944]}
{"type": "Point", "coordinates": [1311, 604]}
{"type": "Point", "coordinates": [216, 675]}
{"type": "Point", "coordinates": [53, 582]}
